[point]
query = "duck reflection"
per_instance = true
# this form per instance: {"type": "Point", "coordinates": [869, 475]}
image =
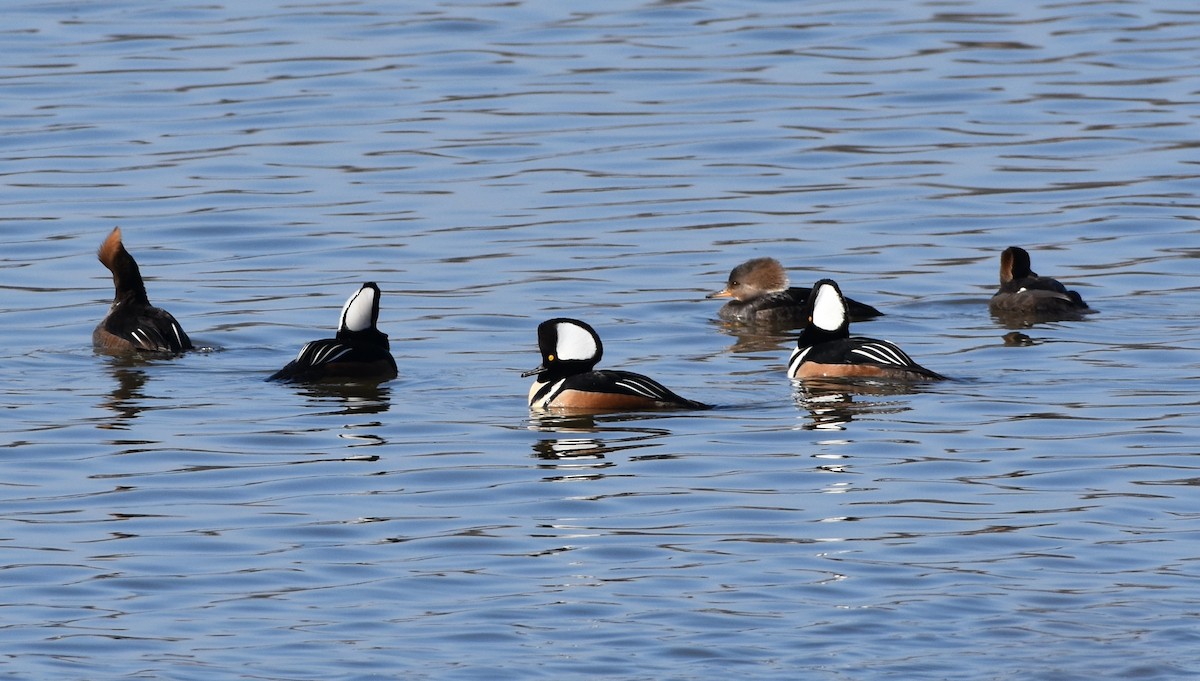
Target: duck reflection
{"type": "Point", "coordinates": [1018, 339]}
{"type": "Point", "coordinates": [579, 451]}
{"type": "Point", "coordinates": [828, 407]}
{"type": "Point", "coordinates": [349, 398]}
{"type": "Point", "coordinates": [1016, 321]}
{"type": "Point", "coordinates": [126, 399]}
{"type": "Point", "coordinates": [831, 403]}
{"type": "Point", "coordinates": [563, 422]}
{"type": "Point", "coordinates": [755, 338]}
{"type": "Point", "coordinates": [582, 449]}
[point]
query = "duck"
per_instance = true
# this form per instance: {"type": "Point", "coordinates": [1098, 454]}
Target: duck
{"type": "Point", "coordinates": [132, 323]}
{"type": "Point", "coordinates": [359, 351]}
{"type": "Point", "coordinates": [1022, 292]}
{"type": "Point", "coordinates": [825, 348]}
{"type": "Point", "coordinates": [567, 378]}
{"type": "Point", "coordinates": [762, 295]}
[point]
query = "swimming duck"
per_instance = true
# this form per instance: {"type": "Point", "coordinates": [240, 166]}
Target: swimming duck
{"type": "Point", "coordinates": [358, 351]}
{"type": "Point", "coordinates": [1023, 293]}
{"type": "Point", "coordinates": [825, 348]}
{"type": "Point", "coordinates": [761, 294]}
{"type": "Point", "coordinates": [566, 378]}
{"type": "Point", "coordinates": [132, 323]}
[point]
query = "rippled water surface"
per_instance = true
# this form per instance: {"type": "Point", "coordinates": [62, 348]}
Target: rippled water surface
{"type": "Point", "coordinates": [492, 165]}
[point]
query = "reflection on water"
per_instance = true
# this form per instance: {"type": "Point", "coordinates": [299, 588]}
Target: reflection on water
{"type": "Point", "coordinates": [346, 398]}
{"type": "Point", "coordinates": [828, 409]}
{"type": "Point", "coordinates": [1016, 338]}
{"type": "Point", "coordinates": [619, 437]}
{"type": "Point", "coordinates": [831, 403]}
{"type": "Point", "coordinates": [126, 398]}
{"type": "Point", "coordinates": [756, 339]}
{"type": "Point", "coordinates": [1024, 320]}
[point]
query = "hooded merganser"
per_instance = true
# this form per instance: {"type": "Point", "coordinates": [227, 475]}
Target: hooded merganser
{"type": "Point", "coordinates": [359, 351]}
{"type": "Point", "coordinates": [825, 348]}
{"type": "Point", "coordinates": [132, 323]}
{"type": "Point", "coordinates": [565, 378]}
{"type": "Point", "coordinates": [760, 293]}
{"type": "Point", "coordinates": [1023, 292]}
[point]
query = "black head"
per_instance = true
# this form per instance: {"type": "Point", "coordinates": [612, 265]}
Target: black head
{"type": "Point", "coordinates": [568, 346]}
{"type": "Point", "coordinates": [1014, 264]}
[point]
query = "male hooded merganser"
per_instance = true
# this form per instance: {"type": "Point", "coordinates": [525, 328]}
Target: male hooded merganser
{"type": "Point", "coordinates": [565, 378]}
{"type": "Point", "coordinates": [1023, 292]}
{"type": "Point", "coordinates": [359, 351]}
{"type": "Point", "coordinates": [132, 323]}
{"type": "Point", "coordinates": [760, 293]}
{"type": "Point", "coordinates": [825, 348]}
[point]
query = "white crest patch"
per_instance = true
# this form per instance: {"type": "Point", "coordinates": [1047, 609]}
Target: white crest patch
{"type": "Point", "coordinates": [829, 312]}
{"type": "Point", "coordinates": [358, 310]}
{"type": "Point", "coordinates": [574, 342]}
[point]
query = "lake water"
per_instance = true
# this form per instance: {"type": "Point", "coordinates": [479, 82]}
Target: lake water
{"type": "Point", "coordinates": [492, 165]}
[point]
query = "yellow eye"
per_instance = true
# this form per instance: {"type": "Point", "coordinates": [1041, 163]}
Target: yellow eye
{"type": "Point", "coordinates": [549, 358]}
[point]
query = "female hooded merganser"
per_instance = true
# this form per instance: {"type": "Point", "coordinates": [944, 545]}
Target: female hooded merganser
{"type": "Point", "coordinates": [760, 293]}
{"type": "Point", "coordinates": [1023, 292]}
{"type": "Point", "coordinates": [132, 323]}
{"type": "Point", "coordinates": [565, 378]}
{"type": "Point", "coordinates": [825, 348]}
{"type": "Point", "coordinates": [359, 351]}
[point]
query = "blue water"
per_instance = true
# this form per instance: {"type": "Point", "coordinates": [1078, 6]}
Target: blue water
{"type": "Point", "coordinates": [492, 165]}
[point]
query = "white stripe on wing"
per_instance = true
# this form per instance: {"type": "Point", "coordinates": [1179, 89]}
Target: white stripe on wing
{"type": "Point", "coordinates": [882, 352]}
{"type": "Point", "coordinates": [317, 353]}
{"type": "Point", "coordinates": [641, 387]}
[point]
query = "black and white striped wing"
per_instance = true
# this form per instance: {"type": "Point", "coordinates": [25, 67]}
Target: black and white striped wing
{"type": "Point", "coordinates": [856, 350]}
{"type": "Point", "coordinates": [321, 352]}
{"type": "Point", "coordinates": [313, 358]}
{"type": "Point", "coordinates": [882, 353]}
{"type": "Point", "coordinates": [155, 331]}
{"type": "Point", "coordinates": [886, 354]}
{"type": "Point", "coordinates": [636, 385]}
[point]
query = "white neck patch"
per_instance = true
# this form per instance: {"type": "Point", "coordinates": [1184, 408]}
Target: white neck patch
{"type": "Point", "coordinates": [574, 342]}
{"type": "Point", "coordinates": [829, 312]}
{"type": "Point", "coordinates": [358, 310]}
